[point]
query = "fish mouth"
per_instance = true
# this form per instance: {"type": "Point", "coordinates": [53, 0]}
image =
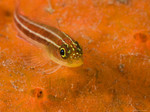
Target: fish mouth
{"type": "Point", "coordinates": [75, 63]}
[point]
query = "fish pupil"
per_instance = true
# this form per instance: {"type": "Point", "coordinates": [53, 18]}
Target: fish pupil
{"type": "Point", "coordinates": [62, 52]}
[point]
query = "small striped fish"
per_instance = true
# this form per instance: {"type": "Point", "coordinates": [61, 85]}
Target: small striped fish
{"type": "Point", "coordinates": [59, 47]}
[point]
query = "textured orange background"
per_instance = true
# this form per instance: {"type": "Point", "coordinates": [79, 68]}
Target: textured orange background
{"type": "Point", "coordinates": [115, 77]}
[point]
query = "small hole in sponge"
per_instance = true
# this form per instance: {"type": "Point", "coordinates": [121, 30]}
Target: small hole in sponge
{"type": "Point", "coordinates": [37, 92]}
{"type": "Point", "coordinates": [141, 37]}
{"type": "Point", "coordinates": [7, 13]}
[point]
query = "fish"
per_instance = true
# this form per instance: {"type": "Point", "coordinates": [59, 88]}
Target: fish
{"type": "Point", "coordinates": [56, 45]}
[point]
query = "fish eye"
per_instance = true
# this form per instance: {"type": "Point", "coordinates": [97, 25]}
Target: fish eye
{"type": "Point", "coordinates": [63, 52]}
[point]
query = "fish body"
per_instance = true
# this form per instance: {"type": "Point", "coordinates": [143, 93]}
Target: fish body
{"type": "Point", "coordinates": [59, 46]}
